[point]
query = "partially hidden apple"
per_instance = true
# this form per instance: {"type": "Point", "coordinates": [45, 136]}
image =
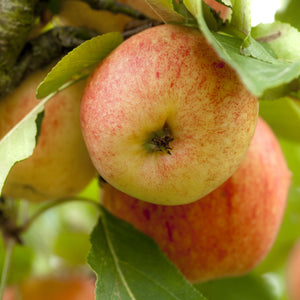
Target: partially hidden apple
{"type": "Point", "coordinates": [229, 231]}
{"type": "Point", "coordinates": [165, 120]}
{"type": "Point", "coordinates": [293, 272]}
{"type": "Point", "coordinates": [60, 165]}
{"type": "Point", "coordinates": [79, 13]}
{"type": "Point", "coordinates": [71, 287]}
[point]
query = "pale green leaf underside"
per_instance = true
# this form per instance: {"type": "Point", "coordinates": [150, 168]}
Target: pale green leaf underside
{"type": "Point", "coordinates": [129, 265]}
{"type": "Point", "coordinates": [19, 142]}
{"type": "Point", "coordinates": [79, 62]}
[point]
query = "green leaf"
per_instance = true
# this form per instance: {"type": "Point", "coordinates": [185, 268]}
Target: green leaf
{"type": "Point", "coordinates": [180, 8]}
{"type": "Point", "coordinates": [252, 48]}
{"type": "Point", "coordinates": [79, 62]}
{"type": "Point", "coordinates": [281, 37]}
{"type": "Point", "coordinates": [165, 10]}
{"type": "Point", "coordinates": [241, 16]}
{"type": "Point", "coordinates": [247, 287]}
{"type": "Point", "coordinates": [283, 115]}
{"type": "Point", "coordinates": [221, 9]}
{"type": "Point", "coordinates": [258, 75]}
{"type": "Point", "coordinates": [129, 265]}
{"type": "Point", "coordinates": [20, 141]}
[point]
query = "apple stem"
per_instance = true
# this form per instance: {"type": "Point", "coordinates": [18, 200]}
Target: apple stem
{"type": "Point", "coordinates": [161, 143]}
{"type": "Point", "coordinates": [160, 140]}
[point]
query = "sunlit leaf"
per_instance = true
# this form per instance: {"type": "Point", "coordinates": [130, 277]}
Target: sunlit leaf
{"type": "Point", "coordinates": [79, 62]}
{"type": "Point", "coordinates": [19, 142]}
{"type": "Point", "coordinates": [281, 37]}
{"type": "Point", "coordinates": [241, 16]}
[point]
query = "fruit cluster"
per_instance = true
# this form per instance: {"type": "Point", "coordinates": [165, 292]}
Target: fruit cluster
{"type": "Point", "coordinates": [168, 126]}
{"type": "Point", "coordinates": [176, 136]}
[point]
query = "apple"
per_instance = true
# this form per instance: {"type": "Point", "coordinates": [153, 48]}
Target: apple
{"type": "Point", "coordinates": [60, 165]}
{"type": "Point", "coordinates": [73, 287]}
{"type": "Point", "coordinates": [164, 119]}
{"type": "Point", "coordinates": [229, 231]}
{"type": "Point", "coordinates": [293, 272]}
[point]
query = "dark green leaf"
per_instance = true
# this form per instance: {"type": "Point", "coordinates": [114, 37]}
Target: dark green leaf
{"type": "Point", "coordinates": [79, 62]}
{"type": "Point", "coordinates": [129, 265]}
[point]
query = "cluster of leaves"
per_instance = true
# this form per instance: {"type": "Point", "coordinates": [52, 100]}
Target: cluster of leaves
{"type": "Point", "coordinates": [128, 264]}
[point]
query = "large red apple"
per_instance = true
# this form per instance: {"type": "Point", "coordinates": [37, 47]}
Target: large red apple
{"type": "Point", "coordinates": [165, 120]}
{"type": "Point", "coordinates": [226, 233]}
{"type": "Point", "coordinates": [60, 165]}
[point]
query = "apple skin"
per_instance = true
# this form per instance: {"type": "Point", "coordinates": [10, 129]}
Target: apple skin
{"type": "Point", "coordinates": [73, 287]}
{"type": "Point", "coordinates": [167, 78]}
{"type": "Point", "coordinates": [60, 165]}
{"type": "Point", "coordinates": [226, 233]}
{"type": "Point", "coordinates": [293, 272]}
